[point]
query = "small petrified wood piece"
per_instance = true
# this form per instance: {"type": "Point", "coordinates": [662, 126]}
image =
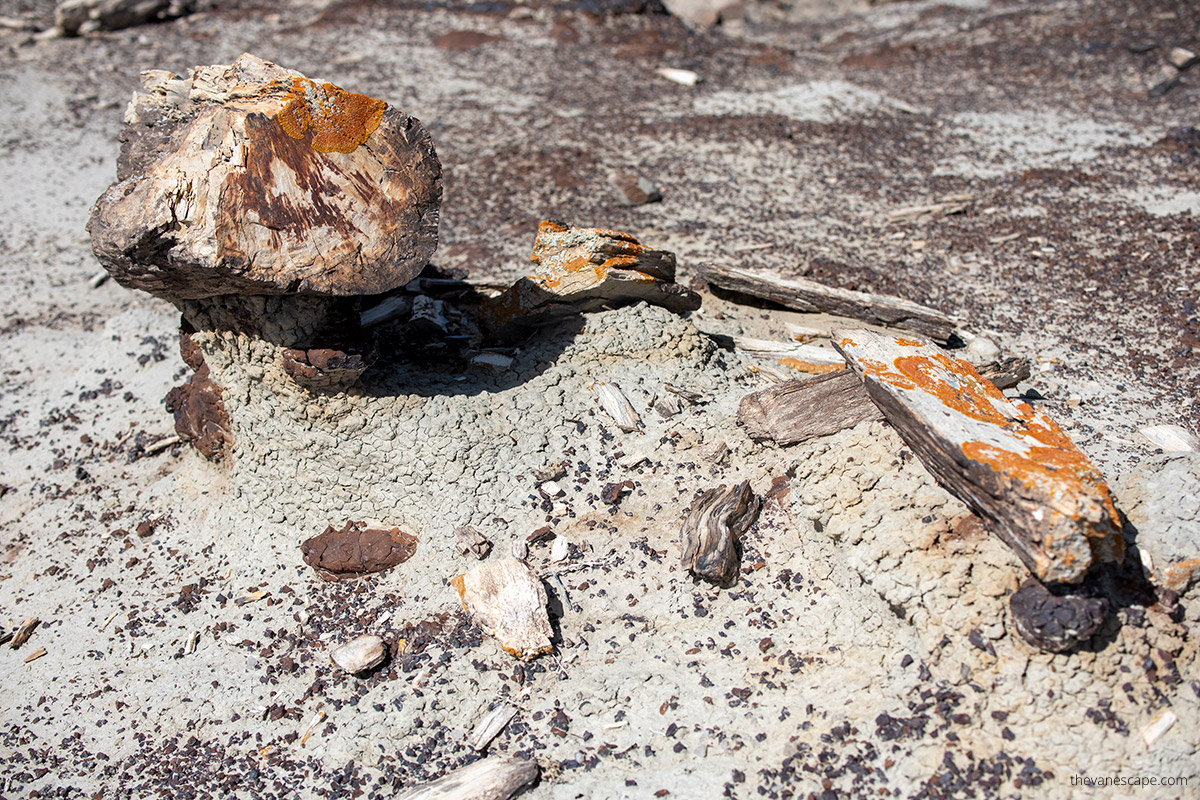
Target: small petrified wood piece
{"type": "Point", "coordinates": [802, 294]}
{"type": "Point", "coordinates": [247, 178]}
{"type": "Point", "coordinates": [1007, 372]}
{"type": "Point", "coordinates": [361, 654]}
{"type": "Point", "coordinates": [506, 598]}
{"type": "Point", "coordinates": [803, 409]}
{"type": "Point", "coordinates": [583, 269]}
{"type": "Point", "coordinates": [469, 541]}
{"type": "Point", "coordinates": [1009, 463]}
{"type": "Point", "coordinates": [197, 405]}
{"type": "Point", "coordinates": [494, 778]}
{"type": "Point", "coordinates": [713, 530]}
{"type": "Point", "coordinates": [324, 368]}
{"type": "Point", "coordinates": [357, 550]}
{"type": "Point", "coordinates": [1055, 622]}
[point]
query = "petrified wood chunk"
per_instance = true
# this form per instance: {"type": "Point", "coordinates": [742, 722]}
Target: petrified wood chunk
{"type": "Point", "coordinates": [1055, 622]}
{"type": "Point", "coordinates": [506, 598]}
{"type": "Point", "coordinates": [713, 530]}
{"type": "Point", "coordinates": [803, 409]}
{"type": "Point", "coordinates": [361, 654]}
{"type": "Point", "coordinates": [469, 541]}
{"type": "Point", "coordinates": [357, 550]}
{"type": "Point", "coordinates": [583, 269]}
{"type": "Point", "coordinates": [324, 368]}
{"type": "Point", "coordinates": [802, 294]}
{"type": "Point", "coordinates": [199, 410]}
{"type": "Point", "coordinates": [1002, 458]}
{"type": "Point", "coordinates": [249, 178]}
{"type": "Point", "coordinates": [494, 778]}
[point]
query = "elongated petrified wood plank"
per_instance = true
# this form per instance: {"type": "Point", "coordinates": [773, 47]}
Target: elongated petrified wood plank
{"type": "Point", "coordinates": [1005, 460]}
{"type": "Point", "coordinates": [495, 778]}
{"type": "Point", "coordinates": [803, 409]}
{"type": "Point", "coordinates": [801, 294]}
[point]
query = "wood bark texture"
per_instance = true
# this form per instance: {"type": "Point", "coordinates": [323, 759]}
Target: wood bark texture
{"type": "Point", "coordinates": [1008, 462]}
{"type": "Point", "coordinates": [713, 530]}
{"type": "Point", "coordinates": [803, 409]}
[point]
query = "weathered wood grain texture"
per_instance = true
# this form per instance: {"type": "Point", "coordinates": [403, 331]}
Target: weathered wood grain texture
{"type": "Point", "coordinates": [713, 529]}
{"type": "Point", "coordinates": [1007, 372]}
{"type": "Point", "coordinates": [507, 599]}
{"type": "Point", "coordinates": [804, 409]}
{"type": "Point", "coordinates": [495, 778]}
{"type": "Point", "coordinates": [801, 294]}
{"type": "Point", "coordinates": [1005, 460]}
{"type": "Point", "coordinates": [249, 178]}
{"type": "Point", "coordinates": [583, 269]}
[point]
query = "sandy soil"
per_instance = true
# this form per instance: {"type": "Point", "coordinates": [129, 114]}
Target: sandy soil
{"type": "Point", "coordinates": [867, 648]}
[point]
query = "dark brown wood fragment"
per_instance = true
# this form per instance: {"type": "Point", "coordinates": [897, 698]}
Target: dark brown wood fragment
{"type": "Point", "coordinates": [494, 778]}
{"type": "Point", "coordinates": [198, 406]}
{"type": "Point", "coordinates": [1007, 372]}
{"type": "Point", "coordinates": [1055, 622]}
{"type": "Point", "coordinates": [357, 550]}
{"type": "Point", "coordinates": [713, 530]}
{"type": "Point", "coordinates": [805, 408]}
{"type": "Point", "coordinates": [802, 294]}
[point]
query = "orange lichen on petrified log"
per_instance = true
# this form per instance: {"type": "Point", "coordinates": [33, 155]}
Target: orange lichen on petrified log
{"type": "Point", "coordinates": [336, 121]}
{"type": "Point", "coordinates": [1008, 461]}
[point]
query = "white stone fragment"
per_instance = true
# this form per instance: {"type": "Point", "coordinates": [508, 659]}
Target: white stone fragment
{"type": "Point", "coordinates": [1158, 726]}
{"type": "Point", "coordinates": [684, 77]}
{"type": "Point", "coordinates": [560, 549]}
{"type": "Point", "coordinates": [364, 653]}
{"type": "Point", "coordinates": [1171, 438]}
{"type": "Point", "coordinates": [552, 489]}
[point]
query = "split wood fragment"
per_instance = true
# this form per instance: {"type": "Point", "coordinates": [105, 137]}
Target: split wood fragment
{"type": "Point", "coordinates": [1011, 464]}
{"type": "Point", "coordinates": [713, 529]}
{"type": "Point", "coordinates": [35, 655]}
{"type": "Point", "coordinates": [491, 725]}
{"type": "Point", "coordinates": [494, 778]}
{"type": "Point", "coordinates": [801, 294]}
{"type": "Point", "coordinates": [803, 409]}
{"type": "Point", "coordinates": [24, 631]}
{"type": "Point", "coordinates": [617, 405]}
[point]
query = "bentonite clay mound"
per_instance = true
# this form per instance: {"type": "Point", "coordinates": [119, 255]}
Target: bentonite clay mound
{"type": "Point", "coordinates": [249, 178]}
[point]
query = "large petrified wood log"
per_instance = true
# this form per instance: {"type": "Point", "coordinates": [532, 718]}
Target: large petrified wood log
{"type": "Point", "coordinates": [1008, 462]}
{"type": "Point", "coordinates": [507, 599]}
{"type": "Point", "coordinates": [495, 778]}
{"type": "Point", "coordinates": [250, 179]}
{"type": "Point", "coordinates": [803, 409]}
{"type": "Point", "coordinates": [713, 530]}
{"type": "Point", "coordinates": [802, 294]}
{"type": "Point", "coordinates": [583, 269]}
{"type": "Point", "coordinates": [357, 550]}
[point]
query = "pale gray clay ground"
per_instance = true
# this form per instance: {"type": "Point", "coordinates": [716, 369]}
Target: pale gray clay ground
{"type": "Point", "coordinates": [867, 648]}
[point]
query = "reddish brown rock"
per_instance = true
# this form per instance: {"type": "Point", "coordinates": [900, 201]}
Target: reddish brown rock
{"type": "Point", "coordinates": [357, 550]}
{"type": "Point", "coordinates": [250, 179]}
{"type": "Point", "coordinates": [198, 407]}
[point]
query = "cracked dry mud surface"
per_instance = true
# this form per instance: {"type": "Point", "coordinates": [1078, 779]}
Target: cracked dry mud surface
{"type": "Point", "coordinates": [866, 649]}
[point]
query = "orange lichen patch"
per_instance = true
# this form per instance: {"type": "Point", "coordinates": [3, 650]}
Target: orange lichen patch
{"type": "Point", "coordinates": [334, 119]}
{"type": "Point", "coordinates": [459, 584]}
{"type": "Point", "coordinates": [809, 367]}
{"type": "Point", "coordinates": [1179, 576]}
{"type": "Point", "coordinates": [910, 343]}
